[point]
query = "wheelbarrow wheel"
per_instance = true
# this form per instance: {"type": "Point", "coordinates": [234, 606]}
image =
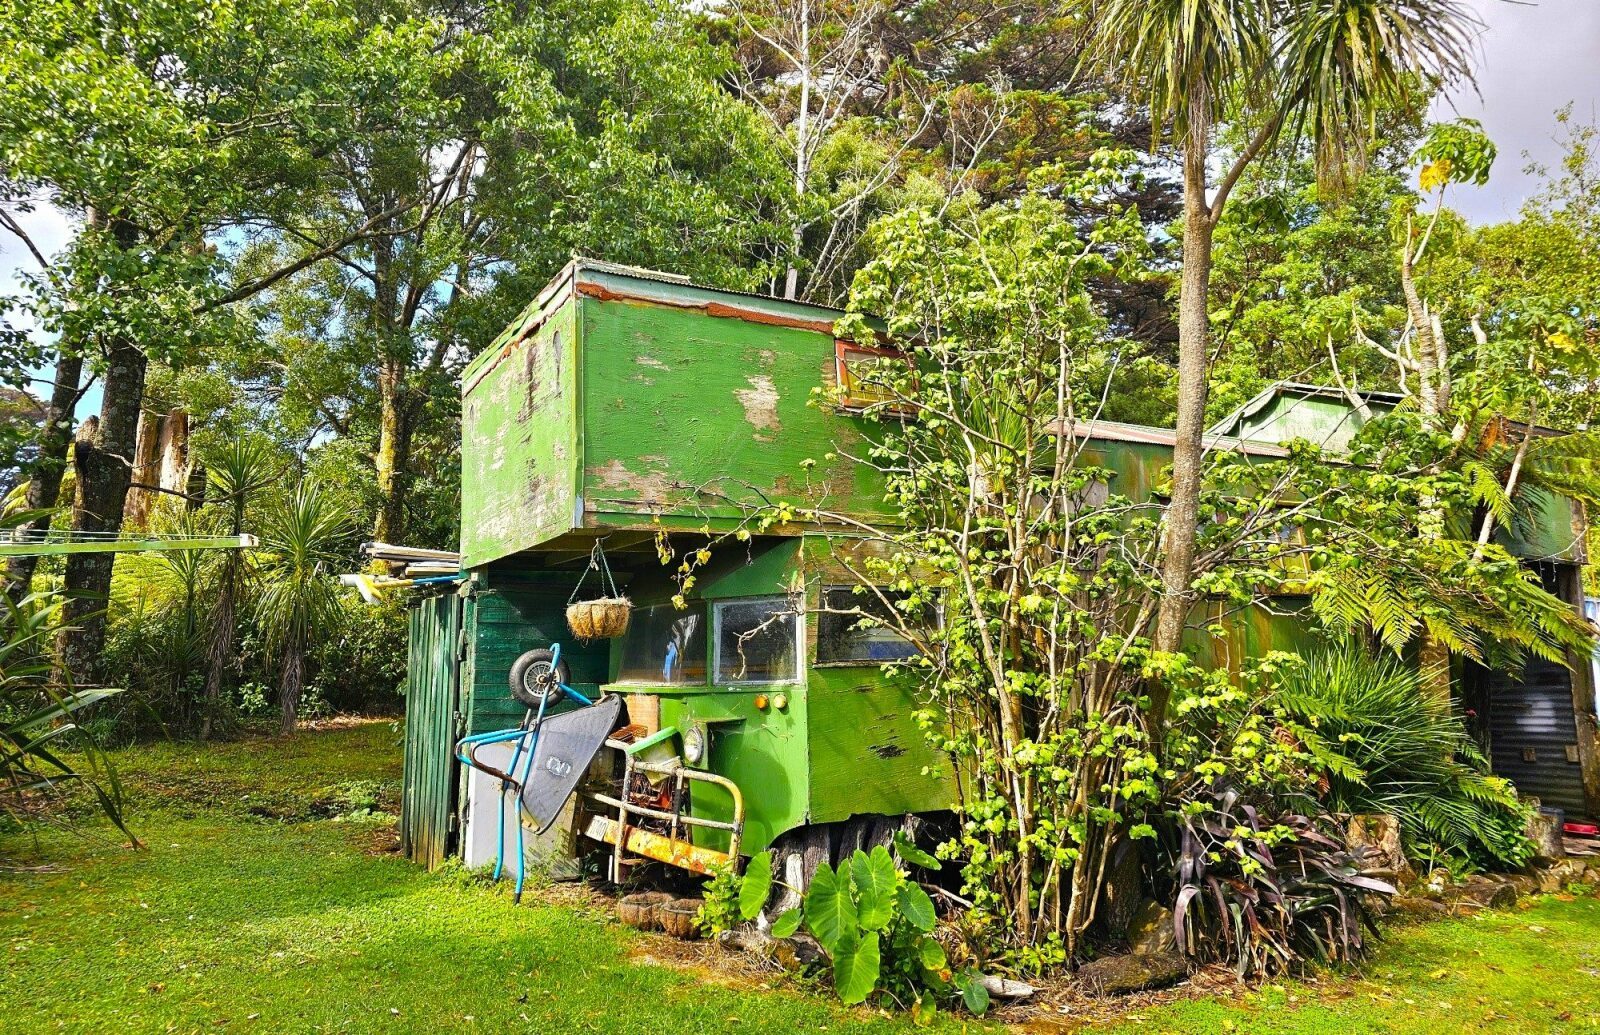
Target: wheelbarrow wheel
{"type": "Point", "coordinates": [534, 681]}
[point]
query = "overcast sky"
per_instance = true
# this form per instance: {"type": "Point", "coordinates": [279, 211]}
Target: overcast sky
{"type": "Point", "coordinates": [1534, 57]}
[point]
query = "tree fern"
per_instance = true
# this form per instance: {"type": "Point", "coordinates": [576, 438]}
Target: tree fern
{"type": "Point", "coordinates": [1388, 746]}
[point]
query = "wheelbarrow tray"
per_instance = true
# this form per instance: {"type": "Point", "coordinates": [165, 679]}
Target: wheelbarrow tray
{"type": "Point", "coordinates": [562, 747]}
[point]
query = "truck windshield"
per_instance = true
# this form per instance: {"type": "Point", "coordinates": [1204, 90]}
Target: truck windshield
{"type": "Point", "coordinates": [664, 645]}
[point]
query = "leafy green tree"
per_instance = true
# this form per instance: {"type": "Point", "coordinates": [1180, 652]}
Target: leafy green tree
{"type": "Point", "coordinates": [595, 128]}
{"type": "Point", "coordinates": [1310, 68]}
{"type": "Point", "coordinates": [1016, 543]}
{"type": "Point", "coordinates": [163, 127]}
{"type": "Point", "coordinates": [1534, 282]}
{"type": "Point", "coordinates": [299, 599]}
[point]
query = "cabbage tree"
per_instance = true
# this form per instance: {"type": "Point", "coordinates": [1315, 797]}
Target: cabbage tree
{"type": "Point", "coordinates": [299, 596]}
{"type": "Point", "coordinates": [1288, 71]}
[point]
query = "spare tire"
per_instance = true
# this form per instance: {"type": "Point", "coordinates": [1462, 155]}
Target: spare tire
{"type": "Point", "coordinates": [534, 682]}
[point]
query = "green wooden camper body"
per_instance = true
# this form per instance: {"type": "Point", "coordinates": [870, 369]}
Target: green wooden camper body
{"type": "Point", "coordinates": [624, 403]}
{"type": "Point", "coordinates": [621, 404]}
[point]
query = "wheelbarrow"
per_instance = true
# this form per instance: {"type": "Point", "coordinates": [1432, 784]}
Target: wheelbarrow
{"type": "Point", "coordinates": [550, 753]}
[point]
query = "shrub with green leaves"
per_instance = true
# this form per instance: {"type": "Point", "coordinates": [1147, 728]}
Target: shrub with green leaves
{"type": "Point", "coordinates": [721, 908]}
{"type": "Point", "coordinates": [876, 925]}
{"type": "Point", "coordinates": [1388, 746]}
{"type": "Point", "coordinates": [39, 716]}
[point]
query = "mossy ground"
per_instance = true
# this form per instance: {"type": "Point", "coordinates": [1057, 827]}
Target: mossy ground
{"type": "Point", "coordinates": [269, 898]}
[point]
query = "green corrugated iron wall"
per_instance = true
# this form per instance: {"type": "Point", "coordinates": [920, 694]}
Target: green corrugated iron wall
{"type": "Point", "coordinates": [427, 804]}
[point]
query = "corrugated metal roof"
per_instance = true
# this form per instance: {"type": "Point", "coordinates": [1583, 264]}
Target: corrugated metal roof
{"type": "Point", "coordinates": [580, 264]}
{"type": "Point", "coordinates": [1115, 431]}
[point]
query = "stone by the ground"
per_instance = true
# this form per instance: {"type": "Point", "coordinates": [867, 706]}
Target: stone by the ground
{"type": "Point", "coordinates": [1119, 975]}
{"type": "Point", "coordinates": [1006, 988]}
{"type": "Point", "coordinates": [1482, 893]}
{"type": "Point", "coordinates": [1151, 932]}
{"type": "Point", "coordinates": [1378, 836]}
{"type": "Point", "coordinates": [1420, 905]}
{"type": "Point", "coordinates": [1545, 832]}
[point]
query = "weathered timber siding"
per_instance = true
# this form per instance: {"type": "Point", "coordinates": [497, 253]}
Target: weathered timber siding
{"type": "Point", "coordinates": [428, 783]}
{"type": "Point", "coordinates": [695, 415]}
{"type": "Point", "coordinates": [1325, 422]}
{"type": "Point", "coordinates": [510, 614]}
{"type": "Point", "coordinates": [866, 753]}
{"type": "Point", "coordinates": [520, 446]}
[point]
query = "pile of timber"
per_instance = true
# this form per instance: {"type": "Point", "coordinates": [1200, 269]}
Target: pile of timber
{"type": "Point", "coordinates": [419, 562]}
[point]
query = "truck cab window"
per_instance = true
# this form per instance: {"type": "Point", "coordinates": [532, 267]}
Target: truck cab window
{"type": "Point", "coordinates": [664, 645]}
{"type": "Point", "coordinates": [852, 629]}
{"type": "Point", "coordinates": [758, 641]}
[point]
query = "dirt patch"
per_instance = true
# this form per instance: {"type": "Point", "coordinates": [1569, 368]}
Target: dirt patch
{"type": "Point", "coordinates": [1062, 1006]}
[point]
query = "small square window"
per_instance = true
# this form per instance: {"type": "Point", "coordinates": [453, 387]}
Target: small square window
{"type": "Point", "coordinates": [758, 641]}
{"type": "Point", "coordinates": [865, 376]}
{"type": "Point", "coordinates": [854, 628]}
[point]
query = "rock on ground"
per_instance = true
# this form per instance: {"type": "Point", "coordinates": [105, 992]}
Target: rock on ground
{"type": "Point", "coordinates": [1119, 975]}
{"type": "Point", "coordinates": [1151, 932]}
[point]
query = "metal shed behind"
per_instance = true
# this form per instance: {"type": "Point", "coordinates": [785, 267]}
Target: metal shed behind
{"type": "Point", "coordinates": [427, 803]}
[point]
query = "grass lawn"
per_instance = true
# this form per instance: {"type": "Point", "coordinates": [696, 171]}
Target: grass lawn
{"type": "Point", "coordinates": [267, 901]}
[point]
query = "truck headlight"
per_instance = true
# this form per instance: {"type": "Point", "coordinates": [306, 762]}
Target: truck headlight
{"type": "Point", "coordinates": [694, 745]}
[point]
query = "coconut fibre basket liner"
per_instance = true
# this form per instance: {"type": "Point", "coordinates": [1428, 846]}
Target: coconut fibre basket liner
{"type": "Point", "coordinates": [567, 743]}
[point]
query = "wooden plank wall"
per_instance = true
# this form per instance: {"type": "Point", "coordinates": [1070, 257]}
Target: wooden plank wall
{"type": "Point", "coordinates": [519, 612]}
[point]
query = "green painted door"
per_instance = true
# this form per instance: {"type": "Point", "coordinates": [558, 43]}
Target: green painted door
{"type": "Point", "coordinates": [427, 802]}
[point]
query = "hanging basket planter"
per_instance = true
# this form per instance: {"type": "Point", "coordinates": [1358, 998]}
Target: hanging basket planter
{"type": "Point", "coordinates": [599, 619]}
{"type": "Point", "coordinates": [602, 617]}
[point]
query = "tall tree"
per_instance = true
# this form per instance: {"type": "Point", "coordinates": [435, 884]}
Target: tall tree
{"type": "Point", "coordinates": [596, 127]}
{"type": "Point", "coordinates": [162, 127]}
{"type": "Point", "coordinates": [1317, 68]}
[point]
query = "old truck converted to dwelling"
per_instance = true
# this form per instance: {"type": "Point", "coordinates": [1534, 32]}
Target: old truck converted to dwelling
{"type": "Point", "coordinates": [638, 411]}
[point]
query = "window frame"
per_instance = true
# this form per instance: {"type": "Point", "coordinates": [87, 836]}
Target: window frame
{"type": "Point", "coordinates": [846, 381]}
{"type": "Point", "coordinates": [657, 683]}
{"type": "Point", "coordinates": [823, 611]}
{"type": "Point", "coordinates": [796, 616]}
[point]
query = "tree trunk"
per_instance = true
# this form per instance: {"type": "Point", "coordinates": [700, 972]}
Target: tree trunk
{"type": "Point", "coordinates": [45, 474]}
{"type": "Point", "coordinates": [397, 421]}
{"type": "Point", "coordinates": [1178, 541]}
{"type": "Point", "coordinates": [161, 465]}
{"type": "Point", "coordinates": [219, 646]}
{"type": "Point", "coordinates": [146, 471]}
{"type": "Point", "coordinates": [291, 683]}
{"type": "Point", "coordinates": [103, 463]}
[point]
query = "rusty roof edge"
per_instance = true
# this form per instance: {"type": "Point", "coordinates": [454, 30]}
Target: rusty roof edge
{"type": "Point", "coordinates": [616, 269]}
{"type": "Point", "coordinates": [532, 316]}
{"type": "Point", "coordinates": [584, 262]}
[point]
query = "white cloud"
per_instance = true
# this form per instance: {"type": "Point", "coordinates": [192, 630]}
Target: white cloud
{"type": "Point", "coordinates": [1535, 57]}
